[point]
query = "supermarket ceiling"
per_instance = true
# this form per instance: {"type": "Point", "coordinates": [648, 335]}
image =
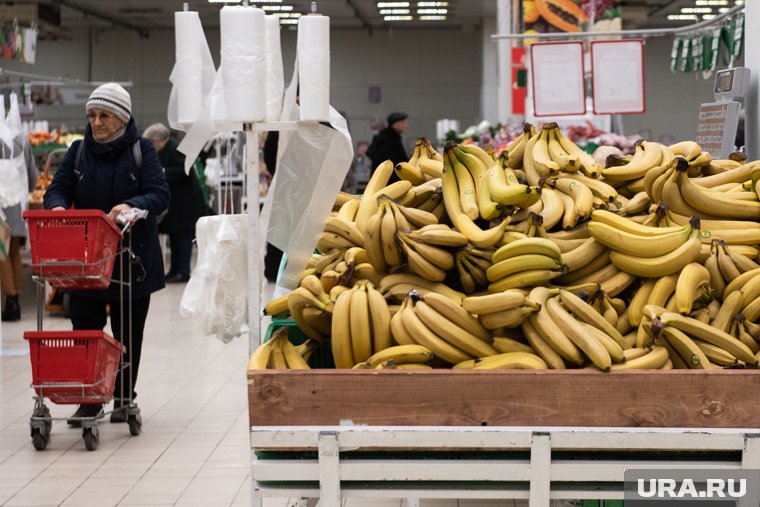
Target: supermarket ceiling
{"type": "Point", "coordinates": [55, 17]}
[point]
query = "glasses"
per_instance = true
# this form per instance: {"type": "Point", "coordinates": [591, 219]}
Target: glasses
{"type": "Point", "coordinates": [91, 117]}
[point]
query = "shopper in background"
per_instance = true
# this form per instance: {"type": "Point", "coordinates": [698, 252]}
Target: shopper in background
{"type": "Point", "coordinates": [107, 176]}
{"type": "Point", "coordinates": [388, 145]}
{"type": "Point", "coordinates": [187, 204]}
{"type": "Point", "coordinates": [11, 269]}
{"type": "Point", "coordinates": [273, 257]}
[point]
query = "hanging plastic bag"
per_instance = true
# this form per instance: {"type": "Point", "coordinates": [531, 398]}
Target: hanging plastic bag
{"type": "Point", "coordinates": [675, 53]}
{"type": "Point", "coordinates": [738, 36]}
{"type": "Point", "coordinates": [216, 295]}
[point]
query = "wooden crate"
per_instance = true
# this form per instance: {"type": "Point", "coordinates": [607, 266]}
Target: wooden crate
{"type": "Point", "coordinates": [675, 398]}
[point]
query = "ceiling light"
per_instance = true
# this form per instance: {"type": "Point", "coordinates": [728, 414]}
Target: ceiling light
{"type": "Point", "coordinates": [696, 10]}
{"type": "Point", "coordinates": [272, 8]}
{"type": "Point", "coordinates": [708, 16]}
{"type": "Point", "coordinates": [739, 2]}
{"type": "Point", "coordinates": [682, 17]}
{"type": "Point", "coordinates": [391, 5]}
{"type": "Point", "coordinates": [284, 21]}
{"type": "Point", "coordinates": [287, 14]}
{"type": "Point", "coordinates": [432, 4]}
{"type": "Point", "coordinates": [432, 11]}
{"type": "Point", "coordinates": [712, 2]}
{"type": "Point", "coordinates": [394, 11]}
{"type": "Point", "coordinates": [432, 18]}
{"type": "Point", "coordinates": [723, 9]}
{"type": "Point", "coordinates": [397, 18]}
{"type": "Point", "coordinates": [224, 1]}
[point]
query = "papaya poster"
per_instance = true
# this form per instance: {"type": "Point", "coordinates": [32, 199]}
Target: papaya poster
{"type": "Point", "coordinates": [551, 16]}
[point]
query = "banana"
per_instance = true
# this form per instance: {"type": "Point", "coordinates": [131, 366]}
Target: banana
{"type": "Point", "coordinates": [508, 319]}
{"type": "Point", "coordinates": [542, 161]}
{"type": "Point", "coordinates": [368, 203]}
{"type": "Point", "coordinates": [388, 230]}
{"type": "Point", "coordinates": [380, 319]}
{"type": "Point", "coordinates": [521, 263]}
{"type": "Point", "coordinates": [639, 300]}
{"type": "Point", "coordinates": [692, 281]}
{"type": "Point", "coordinates": [340, 342]}
{"type": "Point", "coordinates": [740, 281]}
{"type": "Point", "coordinates": [515, 150]}
{"type": "Point", "coordinates": [687, 149]}
{"type": "Point", "coordinates": [439, 237]}
{"type": "Point", "coordinates": [491, 303]}
{"type": "Point", "coordinates": [401, 354]}
{"type": "Point", "coordinates": [655, 359]}
{"type": "Point", "coordinates": [311, 283]}
{"type": "Point", "coordinates": [366, 271]}
{"type": "Point", "coordinates": [431, 168]}
{"type": "Point", "coordinates": [511, 361]}
{"type": "Point", "coordinates": [539, 246]}
{"type": "Point", "coordinates": [726, 265]}
{"type": "Point", "coordinates": [752, 311]}
{"type": "Point", "coordinates": [709, 334]}
{"type": "Point", "coordinates": [717, 283]}
{"type": "Point", "coordinates": [337, 291]}
{"type": "Point", "coordinates": [583, 198]}
{"type": "Point", "coordinates": [565, 161]}
{"type": "Point", "coordinates": [590, 346]}
{"type": "Point", "coordinates": [607, 271]}
{"type": "Point", "coordinates": [348, 211]}
{"type": "Point", "coordinates": [466, 278]}
{"type": "Point", "coordinates": [504, 344]}
{"type": "Point", "coordinates": [743, 263]}
{"type": "Point", "coordinates": [716, 355]}
{"type": "Point", "coordinates": [465, 225]}
{"type": "Point", "coordinates": [317, 319]}
{"type": "Point", "coordinates": [465, 183]}
{"type": "Point", "coordinates": [421, 266]}
{"type": "Point", "coordinates": [298, 300]}
{"type": "Point", "coordinates": [400, 335]}
{"type": "Point", "coordinates": [487, 208]}
{"type": "Point", "coordinates": [542, 348]}
{"type": "Point", "coordinates": [359, 320]}
{"type": "Point", "coordinates": [473, 149]}
{"type": "Point", "coordinates": [330, 240]}
{"type": "Point", "coordinates": [750, 291]}
{"type": "Point", "coordinates": [638, 204]}
{"type": "Point", "coordinates": [293, 359]}
{"type": "Point", "coordinates": [737, 174]}
{"type": "Point", "coordinates": [277, 306]}
{"type": "Point", "coordinates": [588, 165]}
{"type": "Point", "coordinates": [553, 335]}
{"type": "Point", "coordinates": [746, 338]}
{"type": "Point", "coordinates": [528, 278]}
{"type": "Point", "coordinates": [504, 188]}
{"type": "Point", "coordinates": [634, 353]}
{"type": "Point", "coordinates": [663, 289]}
{"type": "Point", "coordinates": [614, 349]}
{"type": "Point", "coordinates": [410, 172]}
{"type": "Point", "coordinates": [451, 333]}
{"type": "Point", "coordinates": [374, 245]}
{"type": "Point", "coordinates": [416, 217]}
{"type": "Point", "coordinates": [584, 312]}
{"type": "Point", "coordinates": [712, 203]}
{"type": "Point", "coordinates": [259, 360]}
{"type": "Point", "coordinates": [425, 337]}
{"type": "Point", "coordinates": [456, 314]}
{"type": "Point", "coordinates": [583, 255]}
{"type": "Point", "coordinates": [277, 360]}
{"type": "Point", "coordinates": [627, 225]}
{"type": "Point", "coordinates": [638, 167]}
{"type": "Point", "coordinates": [441, 258]}
{"type": "Point", "coordinates": [553, 208]}
{"type": "Point", "coordinates": [588, 272]}
{"type": "Point", "coordinates": [641, 246]}
{"type": "Point", "coordinates": [654, 267]}
{"type": "Point", "coordinates": [415, 281]}
{"type": "Point", "coordinates": [686, 348]}
{"type": "Point", "coordinates": [600, 189]}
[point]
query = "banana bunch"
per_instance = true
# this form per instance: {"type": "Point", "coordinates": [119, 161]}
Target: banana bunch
{"type": "Point", "coordinates": [472, 264]}
{"type": "Point", "coordinates": [505, 361]}
{"type": "Point", "coordinates": [648, 156]}
{"type": "Point", "coordinates": [396, 286]}
{"type": "Point", "coordinates": [470, 170]}
{"type": "Point", "coordinates": [360, 325]}
{"type": "Point", "coordinates": [515, 150]}
{"type": "Point", "coordinates": [426, 160]}
{"type": "Point", "coordinates": [399, 357]}
{"type": "Point", "coordinates": [311, 308]}
{"type": "Point", "coordinates": [731, 232]}
{"type": "Point", "coordinates": [508, 309]}
{"type": "Point", "coordinates": [524, 263]}
{"type": "Point", "coordinates": [505, 187]}
{"type": "Point", "coordinates": [549, 152]}
{"type": "Point", "coordinates": [441, 326]}
{"type": "Point", "coordinates": [279, 354]}
{"type": "Point", "coordinates": [725, 265]}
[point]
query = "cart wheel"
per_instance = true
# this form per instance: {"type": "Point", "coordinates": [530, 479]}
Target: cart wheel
{"type": "Point", "coordinates": [39, 440]}
{"type": "Point", "coordinates": [135, 424]}
{"type": "Point", "coordinates": [90, 438]}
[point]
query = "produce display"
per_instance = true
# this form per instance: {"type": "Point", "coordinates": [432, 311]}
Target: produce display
{"type": "Point", "coordinates": [540, 257]}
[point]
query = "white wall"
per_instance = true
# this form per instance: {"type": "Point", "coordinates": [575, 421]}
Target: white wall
{"type": "Point", "coordinates": [428, 74]}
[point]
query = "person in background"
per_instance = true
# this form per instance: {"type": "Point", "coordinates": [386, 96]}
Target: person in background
{"type": "Point", "coordinates": [388, 145]}
{"type": "Point", "coordinates": [360, 170]}
{"type": "Point", "coordinates": [187, 204]}
{"type": "Point", "coordinates": [105, 175]}
{"type": "Point", "coordinates": [273, 257]}
{"type": "Point", "coordinates": [11, 268]}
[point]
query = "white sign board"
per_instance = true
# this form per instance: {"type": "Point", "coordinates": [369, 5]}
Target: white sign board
{"type": "Point", "coordinates": [557, 77]}
{"type": "Point", "coordinates": [618, 76]}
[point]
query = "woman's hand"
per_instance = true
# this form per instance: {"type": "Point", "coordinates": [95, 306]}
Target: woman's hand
{"type": "Point", "coordinates": [58, 208]}
{"type": "Point", "coordinates": [116, 210]}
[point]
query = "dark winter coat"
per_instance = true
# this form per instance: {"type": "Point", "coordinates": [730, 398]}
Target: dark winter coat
{"type": "Point", "coordinates": [386, 145]}
{"type": "Point", "coordinates": [108, 175]}
{"type": "Point", "coordinates": [187, 197]}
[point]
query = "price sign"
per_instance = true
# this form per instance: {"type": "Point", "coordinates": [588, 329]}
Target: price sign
{"type": "Point", "coordinates": [716, 127]}
{"type": "Point", "coordinates": [618, 76]}
{"type": "Point", "coordinates": [557, 77]}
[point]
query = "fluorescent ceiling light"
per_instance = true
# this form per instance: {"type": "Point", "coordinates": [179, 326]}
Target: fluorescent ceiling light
{"type": "Point", "coordinates": [288, 21]}
{"type": "Point", "coordinates": [432, 4]}
{"type": "Point", "coordinates": [287, 14]}
{"type": "Point", "coordinates": [712, 2]}
{"type": "Point", "coordinates": [277, 8]}
{"type": "Point", "coordinates": [696, 10]}
{"type": "Point", "coordinates": [397, 18]}
{"type": "Point", "coordinates": [391, 5]}
{"type": "Point", "coordinates": [432, 11]}
{"type": "Point", "coordinates": [432, 18]}
{"type": "Point", "coordinates": [682, 17]}
{"type": "Point", "coordinates": [394, 11]}
{"type": "Point", "coordinates": [224, 1]}
{"type": "Point", "coordinates": [708, 16]}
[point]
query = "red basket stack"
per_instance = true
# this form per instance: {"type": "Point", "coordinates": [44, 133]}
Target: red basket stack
{"type": "Point", "coordinates": [89, 360]}
{"type": "Point", "coordinates": [73, 249]}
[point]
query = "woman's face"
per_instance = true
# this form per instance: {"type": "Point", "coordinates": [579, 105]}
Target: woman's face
{"type": "Point", "coordinates": [104, 124]}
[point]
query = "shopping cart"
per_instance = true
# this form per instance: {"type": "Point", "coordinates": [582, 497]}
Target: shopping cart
{"type": "Point", "coordinates": [77, 249]}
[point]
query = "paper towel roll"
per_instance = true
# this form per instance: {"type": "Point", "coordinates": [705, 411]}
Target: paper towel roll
{"type": "Point", "coordinates": [313, 48]}
{"type": "Point", "coordinates": [275, 73]}
{"type": "Point", "coordinates": [243, 63]}
{"type": "Point", "coordinates": [188, 61]}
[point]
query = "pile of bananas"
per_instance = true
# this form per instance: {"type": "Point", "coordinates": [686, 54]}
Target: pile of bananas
{"type": "Point", "coordinates": [536, 257]}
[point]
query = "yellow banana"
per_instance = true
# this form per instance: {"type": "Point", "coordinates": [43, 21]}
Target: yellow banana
{"type": "Point", "coordinates": [540, 246]}
{"type": "Point", "coordinates": [633, 244]}
{"type": "Point", "coordinates": [359, 320]}
{"type": "Point", "coordinates": [709, 334]}
{"type": "Point", "coordinates": [380, 319]}
{"type": "Point", "coordinates": [521, 263]}
{"type": "Point", "coordinates": [451, 333]}
{"type": "Point", "coordinates": [261, 356]}
{"type": "Point", "coordinates": [716, 355]}
{"type": "Point", "coordinates": [277, 306]}
{"type": "Point", "coordinates": [687, 149]}
{"type": "Point", "coordinates": [368, 203]}
{"type": "Point", "coordinates": [686, 348]}
{"type": "Point", "coordinates": [391, 250]}
{"type": "Point", "coordinates": [374, 241]}
{"type": "Point", "coordinates": [421, 266]}
{"type": "Point", "coordinates": [624, 224]}
{"type": "Point", "coordinates": [342, 349]}
{"type": "Point", "coordinates": [694, 278]}
{"type": "Point", "coordinates": [655, 359]}
{"type": "Point", "coordinates": [528, 278]}
{"type": "Point", "coordinates": [399, 333]}
{"type": "Point", "coordinates": [511, 361]}
{"type": "Point", "coordinates": [584, 312]}
{"type": "Point", "coordinates": [654, 267]}
{"type": "Point", "coordinates": [425, 337]}
{"type": "Point", "coordinates": [401, 354]}
{"type": "Point", "coordinates": [542, 348]}
{"type": "Point", "coordinates": [565, 161]}
{"type": "Point", "coordinates": [504, 344]}
{"type": "Point", "coordinates": [574, 330]}
{"type": "Point", "coordinates": [639, 299]}
{"type": "Point", "coordinates": [456, 314]}
{"type": "Point", "coordinates": [409, 172]}
{"type": "Point", "coordinates": [637, 168]}
{"type": "Point", "coordinates": [508, 319]}
{"type": "Point", "coordinates": [491, 303]}
{"type": "Point", "coordinates": [614, 349]}
{"type": "Point", "coordinates": [588, 165]}
{"type": "Point", "coordinates": [542, 161]}
{"type": "Point", "coordinates": [293, 359]}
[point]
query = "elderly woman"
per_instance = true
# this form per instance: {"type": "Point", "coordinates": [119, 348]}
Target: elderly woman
{"type": "Point", "coordinates": [104, 172]}
{"type": "Point", "coordinates": [188, 204]}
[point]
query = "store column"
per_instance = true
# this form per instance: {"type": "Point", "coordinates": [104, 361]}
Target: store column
{"type": "Point", "coordinates": [504, 59]}
{"type": "Point", "coordinates": [752, 62]}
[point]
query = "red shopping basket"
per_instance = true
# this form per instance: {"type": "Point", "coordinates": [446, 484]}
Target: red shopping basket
{"type": "Point", "coordinates": [73, 249]}
{"type": "Point", "coordinates": [71, 367]}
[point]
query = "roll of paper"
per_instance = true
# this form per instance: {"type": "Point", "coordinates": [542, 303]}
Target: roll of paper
{"type": "Point", "coordinates": [243, 63]}
{"type": "Point", "coordinates": [313, 49]}
{"type": "Point", "coordinates": [275, 73]}
{"type": "Point", "coordinates": [188, 62]}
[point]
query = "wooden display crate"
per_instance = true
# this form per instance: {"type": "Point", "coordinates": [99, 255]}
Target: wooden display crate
{"type": "Point", "coordinates": [675, 398]}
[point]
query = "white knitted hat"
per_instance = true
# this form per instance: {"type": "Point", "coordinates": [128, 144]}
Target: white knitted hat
{"type": "Point", "coordinates": [112, 97]}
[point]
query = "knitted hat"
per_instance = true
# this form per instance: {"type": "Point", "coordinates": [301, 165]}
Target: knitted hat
{"type": "Point", "coordinates": [394, 117]}
{"type": "Point", "coordinates": [113, 98]}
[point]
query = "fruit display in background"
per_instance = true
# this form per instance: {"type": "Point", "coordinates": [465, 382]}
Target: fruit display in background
{"type": "Point", "coordinates": [538, 257]}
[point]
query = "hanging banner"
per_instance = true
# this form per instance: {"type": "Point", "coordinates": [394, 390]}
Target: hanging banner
{"type": "Point", "coordinates": [557, 75]}
{"type": "Point", "coordinates": [17, 43]}
{"type": "Point", "coordinates": [618, 76]}
{"type": "Point", "coordinates": [568, 16]}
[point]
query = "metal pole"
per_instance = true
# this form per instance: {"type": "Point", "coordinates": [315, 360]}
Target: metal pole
{"type": "Point", "coordinates": [752, 62]}
{"type": "Point", "coordinates": [254, 240]}
{"type": "Point", "coordinates": [504, 60]}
